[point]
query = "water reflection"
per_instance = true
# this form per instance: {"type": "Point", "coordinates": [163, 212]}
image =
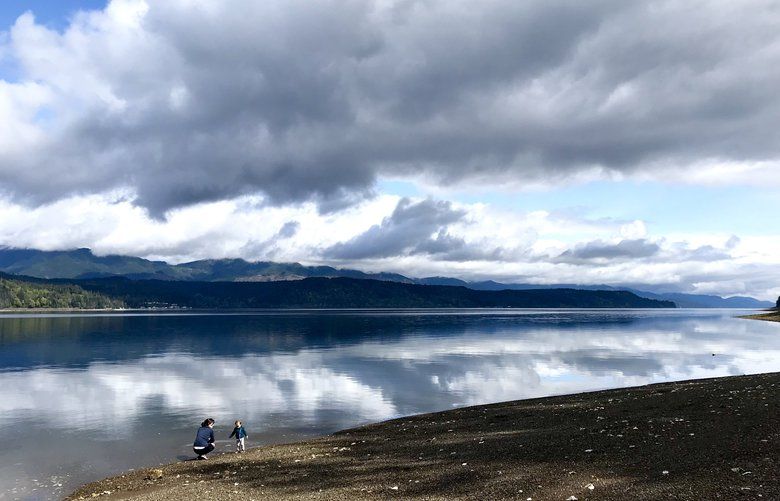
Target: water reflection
{"type": "Point", "coordinates": [122, 391]}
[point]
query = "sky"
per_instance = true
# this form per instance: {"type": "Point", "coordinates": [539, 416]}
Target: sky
{"type": "Point", "coordinates": [546, 141]}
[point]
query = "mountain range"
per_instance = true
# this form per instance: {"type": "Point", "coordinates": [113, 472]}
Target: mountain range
{"type": "Point", "coordinates": [84, 264]}
{"type": "Point", "coordinates": [338, 292]}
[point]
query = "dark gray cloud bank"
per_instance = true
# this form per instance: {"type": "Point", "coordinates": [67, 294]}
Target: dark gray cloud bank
{"type": "Point", "coordinates": [304, 100]}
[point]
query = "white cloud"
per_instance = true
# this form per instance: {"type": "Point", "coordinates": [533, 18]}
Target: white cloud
{"type": "Point", "coordinates": [483, 242]}
{"type": "Point", "coordinates": [634, 230]}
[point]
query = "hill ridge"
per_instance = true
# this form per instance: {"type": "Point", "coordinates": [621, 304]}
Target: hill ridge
{"type": "Point", "coordinates": [337, 292]}
{"type": "Point", "coordinates": [82, 263]}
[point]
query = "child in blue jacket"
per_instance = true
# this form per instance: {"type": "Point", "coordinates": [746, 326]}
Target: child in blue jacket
{"type": "Point", "coordinates": [240, 433]}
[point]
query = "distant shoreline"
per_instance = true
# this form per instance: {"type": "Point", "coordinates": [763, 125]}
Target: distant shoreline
{"type": "Point", "coordinates": [771, 316]}
{"type": "Point", "coordinates": [762, 316]}
{"type": "Point", "coordinates": [86, 310]}
{"type": "Point", "coordinates": [315, 292]}
{"type": "Point", "coordinates": [688, 440]}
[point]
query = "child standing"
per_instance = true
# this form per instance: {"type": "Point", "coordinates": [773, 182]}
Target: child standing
{"type": "Point", "coordinates": [240, 433]}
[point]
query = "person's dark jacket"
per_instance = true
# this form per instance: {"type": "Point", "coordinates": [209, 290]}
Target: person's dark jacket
{"type": "Point", "coordinates": [239, 432]}
{"type": "Point", "coordinates": [204, 437]}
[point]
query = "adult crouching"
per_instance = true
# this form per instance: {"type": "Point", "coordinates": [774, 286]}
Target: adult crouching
{"type": "Point", "coordinates": [204, 439]}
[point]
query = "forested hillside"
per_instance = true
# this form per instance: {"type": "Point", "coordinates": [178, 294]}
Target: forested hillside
{"type": "Point", "coordinates": [26, 294]}
{"type": "Point", "coordinates": [350, 293]}
{"type": "Point", "coordinates": [81, 264]}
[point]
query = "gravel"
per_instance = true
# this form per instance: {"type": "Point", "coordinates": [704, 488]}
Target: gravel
{"type": "Point", "coordinates": [702, 439]}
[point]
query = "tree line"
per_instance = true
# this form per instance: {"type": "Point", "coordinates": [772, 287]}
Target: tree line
{"type": "Point", "coordinates": [23, 294]}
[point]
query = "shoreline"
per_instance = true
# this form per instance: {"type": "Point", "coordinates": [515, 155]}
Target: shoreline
{"type": "Point", "coordinates": [388, 309]}
{"type": "Point", "coordinates": [696, 439]}
{"type": "Point", "coordinates": [90, 310]}
{"type": "Point", "coordinates": [770, 316]}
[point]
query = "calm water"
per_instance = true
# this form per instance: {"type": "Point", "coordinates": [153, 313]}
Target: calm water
{"type": "Point", "coordinates": [85, 396]}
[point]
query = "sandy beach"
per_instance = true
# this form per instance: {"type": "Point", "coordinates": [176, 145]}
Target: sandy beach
{"type": "Point", "coordinates": [701, 439]}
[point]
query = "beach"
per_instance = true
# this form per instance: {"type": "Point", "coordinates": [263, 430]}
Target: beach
{"type": "Point", "coordinates": [700, 439]}
{"type": "Point", "coordinates": [772, 316]}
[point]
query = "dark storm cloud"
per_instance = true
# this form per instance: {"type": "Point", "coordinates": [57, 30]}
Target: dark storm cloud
{"type": "Point", "coordinates": [408, 230]}
{"type": "Point", "coordinates": [313, 101]}
{"type": "Point", "coordinates": [605, 251]}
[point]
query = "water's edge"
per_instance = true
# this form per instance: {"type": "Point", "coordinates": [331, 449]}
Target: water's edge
{"type": "Point", "coordinates": [592, 457]}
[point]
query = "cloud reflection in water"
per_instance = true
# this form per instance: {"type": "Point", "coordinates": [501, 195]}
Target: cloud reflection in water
{"type": "Point", "coordinates": [377, 377]}
{"type": "Point", "coordinates": [119, 392]}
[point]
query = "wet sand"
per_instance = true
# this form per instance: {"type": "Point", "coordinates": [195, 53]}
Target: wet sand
{"type": "Point", "coordinates": [704, 439]}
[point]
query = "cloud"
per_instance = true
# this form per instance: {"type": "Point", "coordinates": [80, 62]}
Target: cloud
{"type": "Point", "coordinates": [415, 237]}
{"type": "Point", "coordinates": [680, 252]}
{"type": "Point", "coordinates": [289, 229]}
{"type": "Point", "coordinates": [605, 251]}
{"type": "Point", "coordinates": [183, 102]}
{"type": "Point", "coordinates": [643, 250]}
{"type": "Point", "coordinates": [254, 249]}
{"type": "Point", "coordinates": [408, 230]}
{"type": "Point", "coordinates": [450, 248]}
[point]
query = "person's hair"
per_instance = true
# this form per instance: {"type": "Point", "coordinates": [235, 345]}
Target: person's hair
{"type": "Point", "coordinates": [238, 422]}
{"type": "Point", "coordinates": [207, 422]}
